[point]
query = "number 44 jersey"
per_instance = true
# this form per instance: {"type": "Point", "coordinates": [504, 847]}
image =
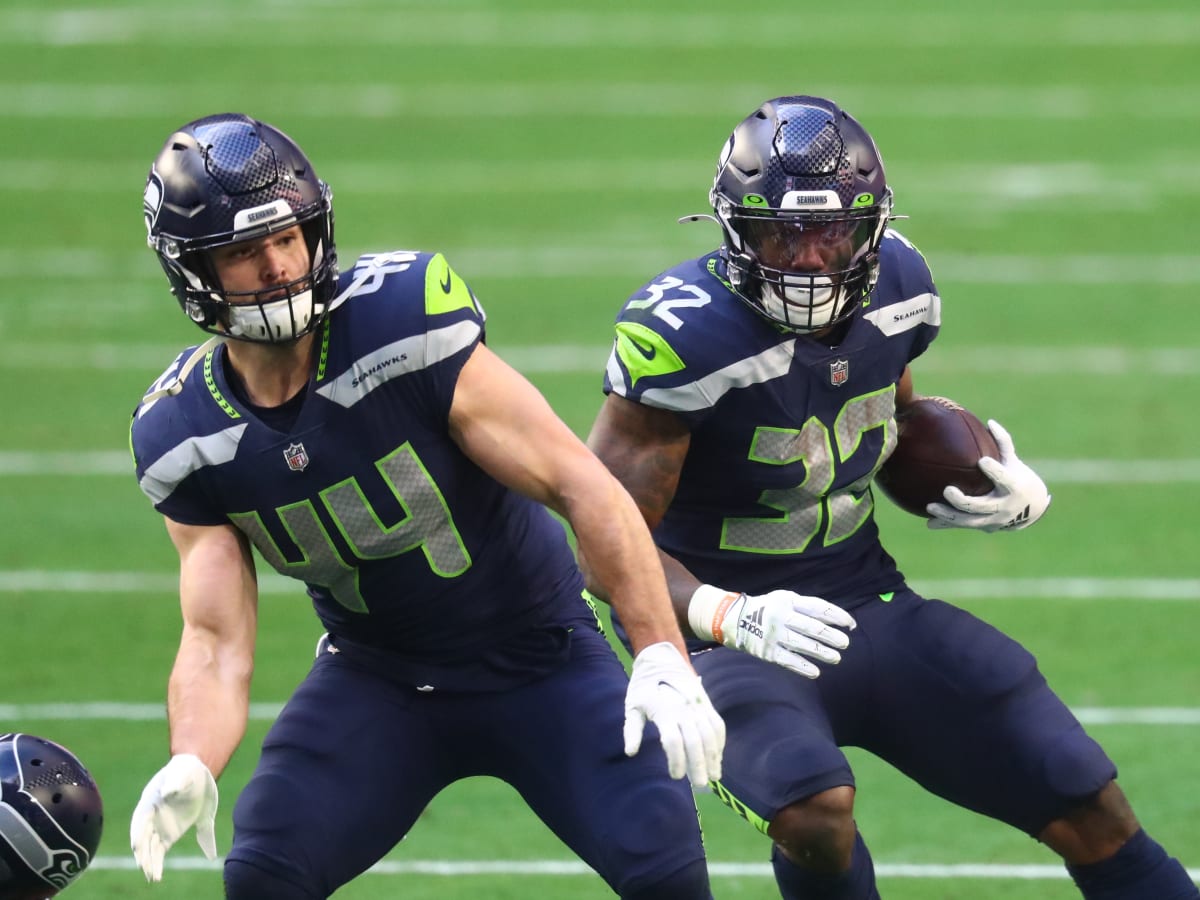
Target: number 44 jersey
{"type": "Point", "coordinates": [787, 432]}
{"type": "Point", "coordinates": [405, 544]}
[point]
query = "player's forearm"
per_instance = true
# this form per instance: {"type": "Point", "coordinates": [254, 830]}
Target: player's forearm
{"type": "Point", "coordinates": [622, 567]}
{"type": "Point", "coordinates": [208, 702]}
{"type": "Point", "coordinates": [681, 585]}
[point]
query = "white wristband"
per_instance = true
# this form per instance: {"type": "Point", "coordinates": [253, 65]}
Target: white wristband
{"type": "Point", "coordinates": [707, 610]}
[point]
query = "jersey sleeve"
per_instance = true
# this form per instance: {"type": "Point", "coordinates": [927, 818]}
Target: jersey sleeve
{"type": "Point", "coordinates": [409, 324]}
{"type": "Point", "coordinates": [456, 324]}
{"type": "Point", "coordinates": [684, 343]}
{"type": "Point", "coordinates": [917, 307]}
{"type": "Point", "coordinates": [169, 453]}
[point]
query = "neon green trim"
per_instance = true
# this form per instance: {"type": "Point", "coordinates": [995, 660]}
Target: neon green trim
{"type": "Point", "coordinates": [591, 602]}
{"type": "Point", "coordinates": [214, 390]}
{"type": "Point", "coordinates": [887, 598]}
{"type": "Point", "coordinates": [723, 794]}
{"type": "Point", "coordinates": [645, 352]}
{"type": "Point", "coordinates": [324, 358]}
{"type": "Point", "coordinates": [865, 199]}
{"type": "Point", "coordinates": [444, 290]}
{"type": "Point", "coordinates": [754, 200]}
{"type": "Point", "coordinates": [712, 270]}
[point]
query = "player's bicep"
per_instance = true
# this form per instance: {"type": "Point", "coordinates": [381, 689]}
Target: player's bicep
{"type": "Point", "coordinates": [218, 590]}
{"type": "Point", "coordinates": [506, 427]}
{"type": "Point", "coordinates": [644, 448]}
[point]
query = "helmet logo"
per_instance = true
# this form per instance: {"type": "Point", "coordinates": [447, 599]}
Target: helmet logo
{"type": "Point", "coordinates": [276, 209]}
{"type": "Point", "coordinates": [864, 199]}
{"type": "Point", "coordinates": [755, 200]}
{"type": "Point", "coordinates": [811, 200]}
{"type": "Point", "coordinates": [296, 456]}
{"type": "Point", "coordinates": [152, 202]}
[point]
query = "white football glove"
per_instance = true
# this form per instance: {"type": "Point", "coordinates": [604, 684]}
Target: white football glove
{"type": "Point", "coordinates": [665, 690]}
{"type": "Point", "coordinates": [782, 627]}
{"type": "Point", "coordinates": [183, 793]}
{"type": "Point", "coordinates": [1017, 501]}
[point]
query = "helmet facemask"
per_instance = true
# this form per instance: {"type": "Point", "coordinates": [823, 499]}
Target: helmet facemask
{"type": "Point", "coordinates": [805, 271]}
{"type": "Point", "coordinates": [279, 313]}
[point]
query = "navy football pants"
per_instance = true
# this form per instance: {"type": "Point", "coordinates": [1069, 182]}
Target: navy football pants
{"type": "Point", "coordinates": [944, 697]}
{"type": "Point", "coordinates": [354, 759]}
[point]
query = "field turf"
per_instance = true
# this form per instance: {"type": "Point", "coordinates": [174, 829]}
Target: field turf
{"type": "Point", "coordinates": [1047, 155]}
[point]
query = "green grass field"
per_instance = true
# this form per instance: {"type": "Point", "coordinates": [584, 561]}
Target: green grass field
{"type": "Point", "coordinates": [1047, 154]}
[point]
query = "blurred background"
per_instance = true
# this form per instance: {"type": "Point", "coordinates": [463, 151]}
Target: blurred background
{"type": "Point", "coordinates": [1047, 154]}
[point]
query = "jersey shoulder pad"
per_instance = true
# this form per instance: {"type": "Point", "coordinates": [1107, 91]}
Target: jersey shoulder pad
{"type": "Point", "coordinates": [684, 339]}
{"type": "Point", "coordinates": [905, 295]}
{"type": "Point", "coordinates": [183, 424]}
{"type": "Point", "coordinates": [397, 313]}
{"type": "Point", "coordinates": [422, 283]}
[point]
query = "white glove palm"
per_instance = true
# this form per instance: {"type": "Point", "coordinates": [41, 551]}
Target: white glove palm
{"type": "Point", "coordinates": [665, 690]}
{"type": "Point", "coordinates": [1017, 501]}
{"type": "Point", "coordinates": [183, 793]}
{"type": "Point", "coordinates": [782, 627]}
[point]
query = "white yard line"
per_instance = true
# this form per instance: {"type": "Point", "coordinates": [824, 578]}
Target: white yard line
{"type": "Point", "coordinates": [90, 463]}
{"type": "Point", "coordinates": [112, 711]}
{"type": "Point", "coordinates": [44, 581]}
{"type": "Point", "coordinates": [584, 359]}
{"type": "Point", "coordinates": [536, 867]}
{"type": "Point", "coordinates": [310, 24]}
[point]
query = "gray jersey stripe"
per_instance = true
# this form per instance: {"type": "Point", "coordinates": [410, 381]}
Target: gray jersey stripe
{"type": "Point", "coordinates": [161, 478]}
{"type": "Point", "coordinates": [707, 391]}
{"type": "Point", "coordinates": [410, 354]}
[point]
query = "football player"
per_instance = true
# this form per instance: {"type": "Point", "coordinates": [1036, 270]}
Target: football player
{"type": "Point", "coordinates": [51, 817]}
{"type": "Point", "coordinates": [752, 395]}
{"type": "Point", "coordinates": [355, 430]}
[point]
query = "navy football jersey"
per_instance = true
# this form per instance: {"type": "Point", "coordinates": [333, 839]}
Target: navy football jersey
{"type": "Point", "coordinates": [403, 542]}
{"type": "Point", "coordinates": [786, 432]}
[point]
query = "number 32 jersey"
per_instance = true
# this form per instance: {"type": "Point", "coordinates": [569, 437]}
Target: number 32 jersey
{"type": "Point", "coordinates": [405, 544]}
{"type": "Point", "coordinates": [786, 432]}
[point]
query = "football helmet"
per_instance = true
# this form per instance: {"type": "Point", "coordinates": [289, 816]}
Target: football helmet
{"type": "Point", "coordinates": [801, 197]}
{"type": "Point", "coordinates": [50, 817]}
{"type": "Point", "coordinates": [228, 178]}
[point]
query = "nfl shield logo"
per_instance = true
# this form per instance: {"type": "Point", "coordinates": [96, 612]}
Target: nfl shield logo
{"type": "Point", "coordinates": [297, 457]}
{"type": "Point", "coordinates": [839, 372]}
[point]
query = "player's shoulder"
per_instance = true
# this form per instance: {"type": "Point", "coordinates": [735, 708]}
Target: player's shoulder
{"type": "Point", "coordinates": [684, 339]}
{"type": "Point", "coordinates": [405, 285]}
{"type": "Point", "coordinates": [183, 406]}
{"type": "Point", "coordinates": [689, 316]}
{"type": "Point", "coordinates": [902, 267]}
{"type": "Point", "coordinates": [396, 314]}
{"type": "Point", "coordinates": [905, 295]}
{"type": "Point", "coordinates": [408, 296]}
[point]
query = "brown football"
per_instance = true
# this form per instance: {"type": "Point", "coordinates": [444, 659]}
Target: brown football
{"type": "Point", "coordinates": [938, 443]}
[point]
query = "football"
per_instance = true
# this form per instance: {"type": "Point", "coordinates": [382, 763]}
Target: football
{"type": "Point", "coordinates": [938, 444]}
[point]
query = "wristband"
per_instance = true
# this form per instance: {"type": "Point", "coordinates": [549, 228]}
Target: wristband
{"type": "Point", "coordinates": [707, 610]}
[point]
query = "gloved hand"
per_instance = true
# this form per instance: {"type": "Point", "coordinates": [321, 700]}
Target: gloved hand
{"type": "Point", "coordinates": [183, 793]}
{"type": "Point", "coordinates": [1017, 501]}
{"type": "Point", "coordinates": [665, 690]}
{"type": "Point", "coordinates": [782, 627]}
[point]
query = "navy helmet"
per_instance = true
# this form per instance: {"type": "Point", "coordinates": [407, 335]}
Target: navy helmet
{"type": "Point", "coordinates": [228, 178]}
{"type": "Point", "coordinates": [50, 817]}
{"type": "Point", "coordinates": [801, 176]}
